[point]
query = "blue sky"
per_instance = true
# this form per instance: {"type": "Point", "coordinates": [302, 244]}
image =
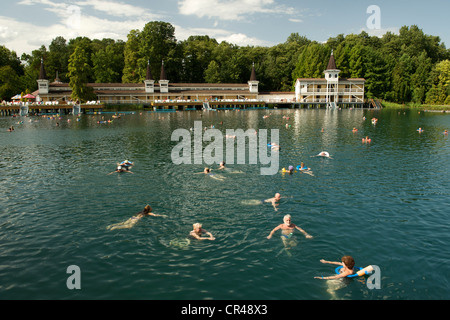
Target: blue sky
{"type": "Point", "coordinates": [25, 25]}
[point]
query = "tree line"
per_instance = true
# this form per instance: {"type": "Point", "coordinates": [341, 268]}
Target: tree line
{"type": "Point", "coordinates": [406, 67]}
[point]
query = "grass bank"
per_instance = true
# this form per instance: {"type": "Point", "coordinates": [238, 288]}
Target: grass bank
{"type": "Point", "coordinates": [415, 106]}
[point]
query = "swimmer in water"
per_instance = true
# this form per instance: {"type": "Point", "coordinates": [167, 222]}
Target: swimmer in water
{"type": "Point", "coordinates": [198, 231]}
{"type": "Point", "coordinates": [221, 165]}
{"type": "Point", "coordinates": [127, 165]}
{"type": "Point", "coordinates": [420, 130]}
{"type": "Point", "coordinates": [133, 220]}
{"type": "Point", "coordinates": [347, 267]}
{"type": "Point", "coordinates": [304, 169]}
{"type": "Point", "coordinates": [446, 132]}
{"type": "Point", "coordinates": [207, 171]}
{"type": "Point", "coordinates": [274, 146]}
{"type": "Point", "coordinates": [366, 140]}
{"type": "Point", "coordinates": [288, 228]}
{"type": "Point", "coordinates": [275, 201]}
{"type": "Point", "coordinates": [324, 154]}
{"type": "Point", "coordinates": [119, 170]}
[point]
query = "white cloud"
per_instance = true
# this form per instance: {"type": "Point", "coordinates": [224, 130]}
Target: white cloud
{"type": "Point", "coordinates": [98, 19]}
{"type": "Point", "coordinates": [232, 10]}
{"type": "Point", "coordinates": [118, 9]}
{"type": "Point", "coordinates": [220, 35]}
{"type": "Point", "coordinates": [72, 20]}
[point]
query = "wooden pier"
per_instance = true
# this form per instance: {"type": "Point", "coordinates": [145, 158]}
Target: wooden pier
{"type": "Point", "coordinates": [168, 106]}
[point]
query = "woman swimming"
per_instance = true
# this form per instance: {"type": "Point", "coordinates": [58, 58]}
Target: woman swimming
{"type": "Point", "coordinates": [120, 169]}
{"type": "Point", "coordinates": [207, 171]}
{"type": "Point", "coordinates": [133, 220]}
{"type": "Point", "coordinates": [324, 154]}
{"type": "Point", "coordinates": [198, 231]}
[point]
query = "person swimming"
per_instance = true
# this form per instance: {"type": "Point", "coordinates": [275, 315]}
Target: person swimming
{"type": "Point", "coordinates": [120, 169]}
{"type": "Point", "coordinates": [288, 228]}
{"type": "Point", "coordinates": [274, 201]}
{"type": "Point", "coordinates": [197, 232]}
{"type": "Point", "coordinates": [208, 172]}
{"type": "Point", "coordinates": [221, 165]}
{"type": "Point", "coordinates": [347, 264]}
{"type": "Point", "coordinates": [287, 232]}
{"type": "Point", "coordinates": [133, 220]}
{"type": "Point", "coordinates": [324, 154]}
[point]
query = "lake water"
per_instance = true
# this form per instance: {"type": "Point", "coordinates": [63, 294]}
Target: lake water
{"type": "Point", "coordinates": [384, 203]}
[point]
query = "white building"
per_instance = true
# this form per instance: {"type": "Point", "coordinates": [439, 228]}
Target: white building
{"type": "Point", "coordinates": [331, 90]}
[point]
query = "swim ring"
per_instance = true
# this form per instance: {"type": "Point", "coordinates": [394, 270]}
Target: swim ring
{"type": "Point", "coordinates": [359, 271]}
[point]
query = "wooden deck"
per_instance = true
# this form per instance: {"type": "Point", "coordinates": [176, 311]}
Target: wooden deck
{"type": "Point", "coordinates": [176, 106]}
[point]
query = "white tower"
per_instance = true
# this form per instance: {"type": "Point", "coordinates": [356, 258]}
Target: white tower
{"type": "Point", "coordinates": [149, 82]}
{"type": "Point", "coordinates": [253, 83]}
{"type": "Point", "coordinates": [42, 81]}
{"type": "Point", "coordinates": [332, 77]}
{"type": "Point", "coordinates": [163, 82]}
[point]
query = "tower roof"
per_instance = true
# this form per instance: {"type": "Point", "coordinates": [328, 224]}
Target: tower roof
{"type": "Point", "coordinates": [149, 75]}
{"type": "Point", "coordinates": [332, 62]}
{"type": "Point", "coordinates": [253, 75]}
{"type": "Point", "coordinates": [163, 72]}
{"type": "Point", "coordinates": [42, 74]}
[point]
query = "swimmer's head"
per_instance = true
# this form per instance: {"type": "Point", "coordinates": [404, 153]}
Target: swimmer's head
{"type": "Point", "coordinates": [287, 219]}
{"type": "Point", "coordinates": [222, 163]}
{"type": "Point", "coordinates": [119, 167]}
{"type": "Point", "coordinates": [197, 226]}
{"type": "Point", "coordinates": [291, 168]}
{"type": "Point", "coordinates": [348, 261]}
{"type": "Point", "coordinates": [206, 170]}
{"type": "Point", "coordinates": [277, 195]}
{"type": "Point", "coordinates": [147, 209]}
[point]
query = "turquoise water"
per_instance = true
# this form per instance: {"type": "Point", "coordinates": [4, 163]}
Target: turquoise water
{"type": "Point", "coordinates": [385, 203]}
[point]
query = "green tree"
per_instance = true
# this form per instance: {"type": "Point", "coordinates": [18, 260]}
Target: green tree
{"type": "Point", "coordinates": [212, 73]}
{"type": "Point", "coordinates": [197, 53]}
{"type": "Point", "coordinates": [79, 70]}
{"type": "Point", "coordinates": [131, 56]}
{"type": "Point", "coordinates": [440, 78]}
{"type": "Point", "coordinates": [58, 59]}
{"type": "Point", "coordinates": [108, 63]}
{"type": "Point", "coordinates": [312, 61]}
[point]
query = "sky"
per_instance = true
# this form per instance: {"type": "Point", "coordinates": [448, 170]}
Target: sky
{"type": "Point", "coordinates": [26, 25]}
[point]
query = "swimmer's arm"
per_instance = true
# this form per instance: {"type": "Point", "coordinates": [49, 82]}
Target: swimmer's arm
{"type": "Point", "coordinates": [274, 205]}
{"type": "Point", "coordinates": [195, 235]}
{"type": "Point", "coordinates": [211, 237]}
{"type": "Point", "coordinates": [342, 275]}
{"type": "Point", "coordinates": [271, 233]}
{"type": "Point", "coordinates": [304, 232]}
{"type": "Point", "coordinates": [157, 215]}
{"type": "Point", "coordinates": [332, 262]}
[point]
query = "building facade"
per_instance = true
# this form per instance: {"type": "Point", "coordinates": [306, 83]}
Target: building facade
{"type": "Point", "coordinates": [330, 90]}
{"type": "Point", "coordinates": [149, 91]}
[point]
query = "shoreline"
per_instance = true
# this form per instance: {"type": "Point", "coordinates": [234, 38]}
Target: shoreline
{"type": "Point", "coordinates": [419, 107]}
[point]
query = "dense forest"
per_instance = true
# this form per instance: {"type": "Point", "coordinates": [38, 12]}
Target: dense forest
{"type": "Point", "coordinates": [406, 67]}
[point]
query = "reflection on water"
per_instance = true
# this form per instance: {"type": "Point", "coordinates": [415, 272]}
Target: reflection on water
{"type": "Point", "coordinates": [384, 203]}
